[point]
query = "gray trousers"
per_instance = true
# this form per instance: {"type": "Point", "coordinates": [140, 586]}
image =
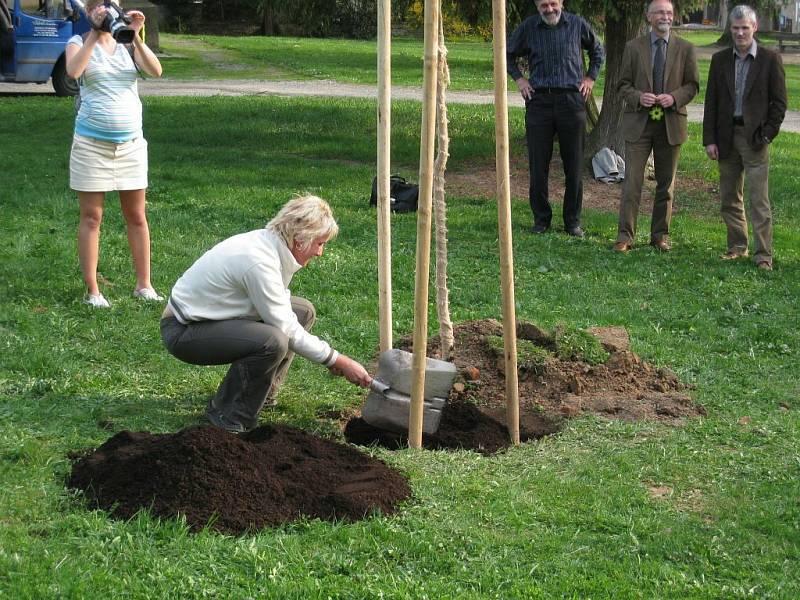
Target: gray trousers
{"type": "Point", "coordinates": [259, 356]}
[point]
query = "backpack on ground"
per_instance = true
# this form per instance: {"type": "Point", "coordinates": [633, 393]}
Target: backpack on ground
{"type": "Point", "coordinates": [403, 196]}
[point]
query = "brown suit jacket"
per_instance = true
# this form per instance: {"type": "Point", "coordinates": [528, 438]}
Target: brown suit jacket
{"type": "Point", "coordinates": [764, 103]}
{"type": "Point", "coordinates": [681, 79]}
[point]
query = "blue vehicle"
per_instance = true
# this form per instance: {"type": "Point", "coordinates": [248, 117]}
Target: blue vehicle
{"type": "Point", "coordinates": [33, 37]}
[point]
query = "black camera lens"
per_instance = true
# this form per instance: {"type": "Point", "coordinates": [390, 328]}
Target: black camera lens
{"type": "Point", "coordinates": [122, 33]}
{"type": "Point", "coordinates": [116, 23]}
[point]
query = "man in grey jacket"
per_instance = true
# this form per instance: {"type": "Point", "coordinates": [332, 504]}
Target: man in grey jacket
{"type": "Point", "coordinates": [233, 306]}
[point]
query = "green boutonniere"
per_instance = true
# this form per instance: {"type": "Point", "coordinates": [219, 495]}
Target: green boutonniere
{"type": "Point", "coordinates": [656, 113]}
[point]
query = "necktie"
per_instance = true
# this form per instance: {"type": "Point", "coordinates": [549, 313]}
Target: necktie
{"type": "Point", "coordinates": [658, 66]}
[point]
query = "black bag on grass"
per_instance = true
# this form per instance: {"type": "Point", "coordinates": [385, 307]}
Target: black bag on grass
{"type": "Point", "coordinates": [403, 195]}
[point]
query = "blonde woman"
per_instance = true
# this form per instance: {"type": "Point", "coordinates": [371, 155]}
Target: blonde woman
{"type": "Point", "coordinates": [109, 152]}
{"type": "Point", "coordinates": [233, 306]}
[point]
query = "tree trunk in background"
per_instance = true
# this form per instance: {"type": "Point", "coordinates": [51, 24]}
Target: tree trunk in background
{"type": "Point", "coordinates": [608, 130]}
{"type": "Point", "coordinates": [268, 18]}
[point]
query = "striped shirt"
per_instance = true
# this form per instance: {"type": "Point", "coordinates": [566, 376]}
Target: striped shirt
{"type": "Point", "coordinates": [554, 53]}
{"type": "Point", "coordinates": [110, 108]}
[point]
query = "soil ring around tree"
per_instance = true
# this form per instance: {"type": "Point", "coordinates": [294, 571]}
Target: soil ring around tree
{"type": "Point", "coordinates": [551, 391]}
{"type": "Point", "coordinates": [269, 476]}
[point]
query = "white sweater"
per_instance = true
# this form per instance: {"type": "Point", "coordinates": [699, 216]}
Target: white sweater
{"type": "Point", "coordinates": [247, 277]}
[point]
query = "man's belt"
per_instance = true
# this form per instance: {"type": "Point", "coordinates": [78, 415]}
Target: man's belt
{"type": "Point", "coordinates": [554, 90]}
{"type": "Point", "coordinates": [738, 121]}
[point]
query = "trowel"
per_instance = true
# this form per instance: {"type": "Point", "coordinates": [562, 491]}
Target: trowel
{"type": "Point", "coordinates": [389, 401]}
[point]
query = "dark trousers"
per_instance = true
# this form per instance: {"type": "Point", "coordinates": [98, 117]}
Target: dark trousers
{"type": "Point", "coordinates": [548, 115]}
{"type": "Point", "coordinates": [259, 356]}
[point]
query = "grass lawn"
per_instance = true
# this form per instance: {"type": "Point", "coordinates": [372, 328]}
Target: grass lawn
{"type": "Point", "coordinates": [605, 509]}
{"type": "Point", "coordinates": [354, 61]}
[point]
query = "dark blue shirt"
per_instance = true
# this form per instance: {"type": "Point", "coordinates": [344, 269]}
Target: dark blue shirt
{"type": "Point", "coordinates": [555, 54]}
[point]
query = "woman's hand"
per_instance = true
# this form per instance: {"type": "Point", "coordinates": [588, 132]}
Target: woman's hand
{"type": "Point", "coordinates": [137, 20]}
{"type": "Point", "coordinates": [351, 370]}
{"type": "Point", "coordinates": [97, 16]}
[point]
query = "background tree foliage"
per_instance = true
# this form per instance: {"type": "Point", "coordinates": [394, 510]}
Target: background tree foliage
{"type": "Point", "coordinates": [617, 21]}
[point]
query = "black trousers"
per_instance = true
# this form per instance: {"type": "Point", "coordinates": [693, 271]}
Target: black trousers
{"type": "Point", "coordinates": [548, 115]}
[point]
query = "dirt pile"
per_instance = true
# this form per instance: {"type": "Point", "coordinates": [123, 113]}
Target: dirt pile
{"type": "Point", "coordinates": [269, 476]}
{"type": "Point", "coordinates": [561, 374]}
{"type": "Point", "coordinates": [463, 426]}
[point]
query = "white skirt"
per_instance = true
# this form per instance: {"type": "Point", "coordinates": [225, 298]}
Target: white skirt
{"type": "Point", "coordinates": [99, 166]}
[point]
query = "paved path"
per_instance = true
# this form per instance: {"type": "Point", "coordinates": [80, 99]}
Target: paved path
{"type": "Point", "coordinates": [243, 87]}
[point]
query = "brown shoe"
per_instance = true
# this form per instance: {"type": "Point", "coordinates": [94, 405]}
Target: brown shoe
{"type": "Point", "coordinates": [764, 266]}
{"type": "Point", "coordinates": [734, 254]}
{"type": "Point", "coordinates": [662, 245]}
{"type": "Point", "coordinates": [622, 247]}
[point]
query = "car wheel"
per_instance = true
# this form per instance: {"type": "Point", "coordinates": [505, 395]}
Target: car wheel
{"type": "Point", "coordinates": [63, 84]}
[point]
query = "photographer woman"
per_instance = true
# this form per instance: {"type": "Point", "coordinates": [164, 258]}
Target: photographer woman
{"type": "Point", "coordinates": [109, 152]}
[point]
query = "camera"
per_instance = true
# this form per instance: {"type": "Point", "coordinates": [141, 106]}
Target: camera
{"type": "Point", "coordinates": [116, 23]}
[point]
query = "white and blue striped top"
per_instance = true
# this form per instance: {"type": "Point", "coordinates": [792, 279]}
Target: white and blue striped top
{"type": "Point", "coordinates": [110, 108]}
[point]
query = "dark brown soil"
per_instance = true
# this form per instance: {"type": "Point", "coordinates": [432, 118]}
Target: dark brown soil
{"type": "Point", "coordinates": [463, 426]}
{"type": "Point", "coordinates": [624, 387]}
{"type": "Point", "coordinates": [269, 476]}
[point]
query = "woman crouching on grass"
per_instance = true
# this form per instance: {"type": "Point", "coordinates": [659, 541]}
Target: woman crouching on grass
{"type": "Point", "coordinates": [233, 306]}
{"type": "Point", "coordinates": [108, 150]}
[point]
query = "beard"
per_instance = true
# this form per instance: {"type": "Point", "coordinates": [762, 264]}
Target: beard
{"type": "Point", "coordinates": [552, 18]}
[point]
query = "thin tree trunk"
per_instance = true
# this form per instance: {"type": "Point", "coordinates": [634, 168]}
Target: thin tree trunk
{"type": "Point", "coordinates": [439, 206]}
{"type": "Point", "coordinates": [608, 130]}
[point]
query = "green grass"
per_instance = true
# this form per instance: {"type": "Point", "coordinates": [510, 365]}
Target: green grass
{"type": "Point", "coordinates": [700, 37]}
{"type": "Point", "coordinates": [354, 61]}
{"type": "Point", "coordinates": [572, 343]}
{"type": "Point", "coordinates": [571, 516]}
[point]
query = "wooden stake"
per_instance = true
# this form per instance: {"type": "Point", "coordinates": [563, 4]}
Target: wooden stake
{"type": "Point", "coordinates": [426, 148]}
{"type": "Point", "coordinates": [384, 166]}
{"type": "Point", "coordinates": [504, 217]}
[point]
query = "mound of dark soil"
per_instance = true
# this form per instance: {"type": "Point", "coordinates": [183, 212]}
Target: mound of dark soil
{"type": "Point", "coordinates": [269, 476]}
{"type": "Point", "coordinates": [463, 426]}
{"type": "Point", "coordinates": [624, 386]}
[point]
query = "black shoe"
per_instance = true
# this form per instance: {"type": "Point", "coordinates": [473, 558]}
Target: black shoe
{"type": "Point", "coordinates": [539, 229]}
{"type": "Point", "coordinates": [575, 231]}
{"type": "Point", "coordinates": [219, 420]}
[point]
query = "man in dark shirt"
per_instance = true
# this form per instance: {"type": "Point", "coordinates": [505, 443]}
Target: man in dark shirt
{"type": "Point", "coordinates": [555, 95]}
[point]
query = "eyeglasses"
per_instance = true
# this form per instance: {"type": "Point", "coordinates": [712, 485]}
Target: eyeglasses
{"type": "Point", "coordinates": [662, 13]}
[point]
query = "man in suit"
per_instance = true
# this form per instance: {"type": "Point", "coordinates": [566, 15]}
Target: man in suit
{"type": "Point", "coordinates": [555, 103]}
{"type": "Point", "coordinates": [744, 108]}
{"type": "Point", "coordinates": [659, 78]}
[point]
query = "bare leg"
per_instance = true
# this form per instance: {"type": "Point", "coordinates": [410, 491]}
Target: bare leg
{"type": "Point", "coordinates": [133, 207]}
{"type": "Point", "coordinates": [91, 207]}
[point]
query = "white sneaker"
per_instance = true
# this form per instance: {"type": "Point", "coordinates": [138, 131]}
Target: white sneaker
{"type": "Point", "coordinates": [96, 301]}
{"type": "Point", "coordinates": [148, 294]}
